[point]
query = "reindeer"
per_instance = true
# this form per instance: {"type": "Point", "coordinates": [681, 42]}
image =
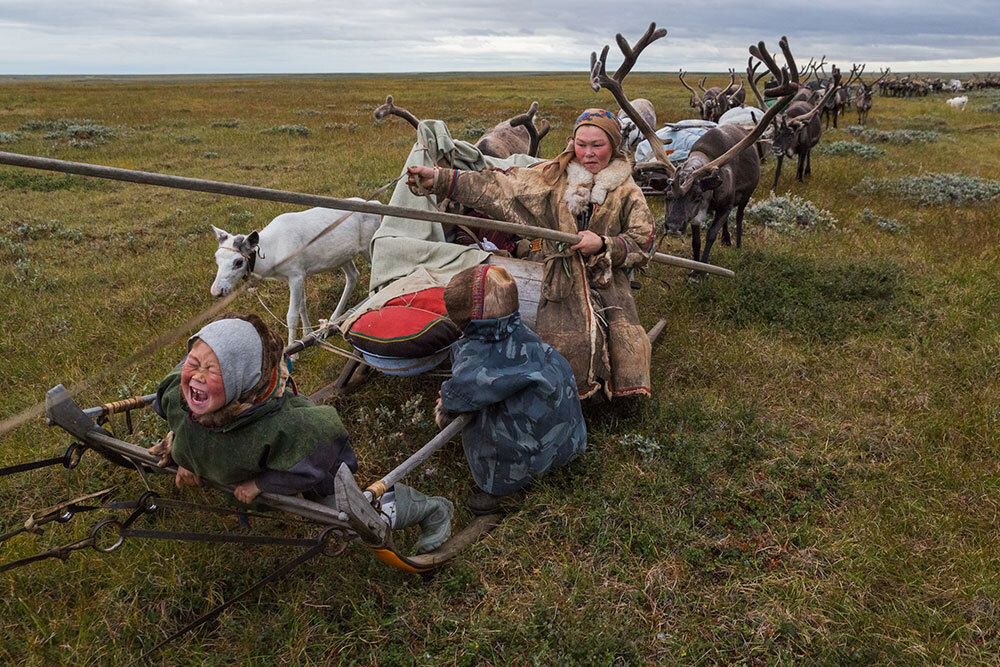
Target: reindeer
{"type": "Point", "coordinates": [720, 173]}
{"type": "Point", "coordinates": [714, 101]}
{"type": "Point", "coordinates": [863, 98]}
{"type": "Point", "coordinates": [797, 130]}
{"type": "Point", "coordinates": [290, 248]}
{"type": "Point", "coordinates": [517, 135]}
{"type": "Point", "coordinates": [631, 136]}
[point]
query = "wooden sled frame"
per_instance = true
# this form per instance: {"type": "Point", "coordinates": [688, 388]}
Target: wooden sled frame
{"type": "Point", "coordinates": [355, 514]}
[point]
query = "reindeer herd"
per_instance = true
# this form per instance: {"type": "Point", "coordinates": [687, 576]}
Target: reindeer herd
{"type": "Point", "coordinates": [722, 169]}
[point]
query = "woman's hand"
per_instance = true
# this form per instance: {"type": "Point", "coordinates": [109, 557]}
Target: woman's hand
{"type": "Point", "coordinates": [590, 243]}
{"type": "Point", "coordinates": [186, 478]}
{"type": "Point", "coordinates": [420, 179]}
{"type": "Point", "coordinates": [247, 492]}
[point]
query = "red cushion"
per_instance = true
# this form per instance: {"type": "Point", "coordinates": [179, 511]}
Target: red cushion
{"type": "Point", "coordinates": [405, 332]}
{"type": "Point", "coordinates": [431, 299]}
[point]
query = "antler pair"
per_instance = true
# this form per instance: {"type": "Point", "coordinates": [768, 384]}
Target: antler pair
{"type": "Point", "coordinates": [599, 79]}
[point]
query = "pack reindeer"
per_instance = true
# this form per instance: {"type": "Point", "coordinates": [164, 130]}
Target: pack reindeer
{"type": "Point", "coordinates": [720, 172]}
{"type": "Point", "coordinates": [863, 98]}
{"type": "Point", "coordinates": [799, 128]}
{"type": "Point", "coordinates": [517, 135]}
{"type": "Point", "coordinates": [290, 248]}
{"type": "Point", "coordinates": [714, 101]}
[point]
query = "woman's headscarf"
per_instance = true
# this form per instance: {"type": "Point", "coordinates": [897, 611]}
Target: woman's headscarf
{"type": "Point", "coordinates": [601, 118]}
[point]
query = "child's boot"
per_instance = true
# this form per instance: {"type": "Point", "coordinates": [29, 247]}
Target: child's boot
{"type": "Point", "coordinates": [432, 513]}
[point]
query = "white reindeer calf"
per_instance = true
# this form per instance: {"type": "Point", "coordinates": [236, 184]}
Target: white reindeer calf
{"type": "Point", "coordinates": [287, 236]}
{"type": "Point", "coordinates": [958, 102]}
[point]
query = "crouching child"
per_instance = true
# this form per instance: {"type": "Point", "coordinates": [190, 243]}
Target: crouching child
{"type": "Point", "coordinates": [528, 419]}
{"type": "Point", "coordinates": [235, 419]}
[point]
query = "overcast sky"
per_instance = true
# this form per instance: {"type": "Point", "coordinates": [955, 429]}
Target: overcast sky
{"type": "Point", "coordinates": [308, 36]}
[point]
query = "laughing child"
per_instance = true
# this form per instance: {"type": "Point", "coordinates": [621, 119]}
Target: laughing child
{"type": "Point", "coordinates": [233, 421]}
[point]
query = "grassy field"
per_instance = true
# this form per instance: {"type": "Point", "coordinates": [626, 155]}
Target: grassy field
{"type": "Point", "coordinates": [815, 479]}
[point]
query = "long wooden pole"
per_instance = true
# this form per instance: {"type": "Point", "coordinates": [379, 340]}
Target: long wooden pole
{"type": "Point", "coordinates": [302, 199]}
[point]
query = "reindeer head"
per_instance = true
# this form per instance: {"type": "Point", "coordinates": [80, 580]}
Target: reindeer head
{"type": "Point", "coordinates": [235, 258]}
{"type": "Point", "coordinates": [688, 196]}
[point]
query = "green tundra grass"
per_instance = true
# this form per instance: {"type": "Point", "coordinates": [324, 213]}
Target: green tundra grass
{"type": "Point", "coordinates": [814, 481]}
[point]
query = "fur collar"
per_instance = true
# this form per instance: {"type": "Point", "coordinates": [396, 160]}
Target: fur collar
{"type": "Point", "coordinates": [583, 187]}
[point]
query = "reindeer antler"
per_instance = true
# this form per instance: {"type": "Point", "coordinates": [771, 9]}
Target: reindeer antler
{"type": "Point", "coordinates": [884, 74]}
{"type": "Point", "coordinates": [389, 109]}
{"type": "Point", "coordinates": [787, 89]}
{"type": "Point", "coordinates": [695, 96]}
{"type": "Point", "coordinates": [527, 120]}
{"type": "Point", "coordinates": [599, 79]}
{"type": "Point", "coordinates": [752, 79]}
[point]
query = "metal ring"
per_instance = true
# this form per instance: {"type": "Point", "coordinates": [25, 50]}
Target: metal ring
{"type": "Point", "coordinates": [73, 455]}
{"type": "Point", "coordinates": [65, 516]}
{"type": "Point", "coordinates": [147, 501]}
{"type": "Point", "coordinates": [98, 527]}
{"type": "Point", "coordinates": [340, 545]}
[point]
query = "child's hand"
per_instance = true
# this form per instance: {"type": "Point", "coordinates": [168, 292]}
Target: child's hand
{"type": "Point", "coordinates": [162, 449]}
{"type": "Point", "coordinates": [186, 478]}
{"type": "Point", "coordinates": [441, 416]}
{"type": "Point", "coordinates": [247, 492]}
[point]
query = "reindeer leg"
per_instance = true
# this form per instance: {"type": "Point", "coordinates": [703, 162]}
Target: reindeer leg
{"type": "Point", "coordinates": [713, 231]}
{"type": "Point", "coordinates": [296, 297]}
{"type": "Point", "coordinates": [809, 169]}
{"type": "Point", "coordinates": [739, 222]}
{"type": "Point", "coordinates": [351, 276]}
{"type": "Point", "coordinates": [801, 166]}
{"type": "Point", "coordinates": [777, 170]}
{"type": "Point", "coordinates": [695, 241]}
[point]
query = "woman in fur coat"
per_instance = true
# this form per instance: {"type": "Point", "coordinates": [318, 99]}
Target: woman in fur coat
{"type": "Point", "coordinates": [586, 310]}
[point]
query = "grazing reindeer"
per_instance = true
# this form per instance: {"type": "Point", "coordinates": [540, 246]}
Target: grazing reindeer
{"type": "Point", "coordinates": [863, 98]}
{"type": "Point", "coordinates": [631, 136]}
{"type": "Point", "coordinates": [720, 173]}
{"type": "Point", "coordinates": [288, 249]}
{"type": "Point", "coordinates": [734, 95]}
{"type": "Point", "coordinates": [517, 135]}
{"type": "Point", "coordinates": [797, 130]}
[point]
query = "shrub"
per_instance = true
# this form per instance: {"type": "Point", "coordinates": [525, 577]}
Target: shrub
{"type": "Point", "coordinates": [888, 224]}
{"type": "Point", "coordinates": [788, 214]}
{"type": "Point", "coordinates": [935, 189]}
{"type": "Point", "coordinates": [53, 125]}
{"type": "Point", "coordinates": [92, 132]}
{"type": "Point", "coordinates": [992, 108]}
{"type": "Point", "coordinates": [81, 143]}
{"type": "Point", "coordinates": [893, 136]}
{"type": "Point", "coordinates": [349, 127]}
{"type": "Point", "coordinates": [187, 139]}
{"type": "Point", "coordinates": [9, 137]}
{"type": "Point", "coordinates": [473, 132]}
{"type": "Point", "coordinates": [226, 123]}
{"type": "Point", "coordinates": [863, 151]}
{"type": "Point", "coordinates": [290, 130]}
{"type": "Point", "coordinates": [307, 112]}
{"type": "Point", "coordinates": [210, 155]}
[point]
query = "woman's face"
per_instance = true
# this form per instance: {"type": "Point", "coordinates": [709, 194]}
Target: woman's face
{"type": "Point", "coordinates": [201, 380]}
{"type": "Point", "coordinates": [592, 148]}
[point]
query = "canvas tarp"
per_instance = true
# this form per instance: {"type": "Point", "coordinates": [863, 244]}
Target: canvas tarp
{"type": "Point", "coordinates": [400, 246]}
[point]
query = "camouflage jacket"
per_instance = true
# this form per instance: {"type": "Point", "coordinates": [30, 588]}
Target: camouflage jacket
{"type": "Point", "coordinates": [529, 419]}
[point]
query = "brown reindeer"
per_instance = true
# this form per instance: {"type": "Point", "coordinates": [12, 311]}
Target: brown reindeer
{"type": "Point", "coordinates": [517, 135]}
{"type": "Point", "coordinates": [797, 130]}
{"type": "Point", "coordinates": [720, 173]}
{"type": "Point", "coordinates": [863, 98]}
{"type": "Point", "coordinates": [714, 101]}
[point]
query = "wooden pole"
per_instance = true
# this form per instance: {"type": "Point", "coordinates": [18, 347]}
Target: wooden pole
{"type": "Point", "coordinates": [302, 199]}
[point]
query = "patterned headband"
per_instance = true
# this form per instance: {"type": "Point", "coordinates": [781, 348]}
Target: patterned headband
{"type": "Point", "coordinates": [597, 113]}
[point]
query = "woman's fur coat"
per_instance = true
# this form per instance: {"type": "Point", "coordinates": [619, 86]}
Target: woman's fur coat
{"type": "Point", "coordinates": [578, 292]}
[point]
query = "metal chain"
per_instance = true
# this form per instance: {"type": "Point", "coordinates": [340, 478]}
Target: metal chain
{"type": "Point", "coordinates": [69, 460]}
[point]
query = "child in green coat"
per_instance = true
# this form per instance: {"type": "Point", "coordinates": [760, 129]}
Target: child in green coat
{"type": "Point", "coordinates": [233, 421]}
